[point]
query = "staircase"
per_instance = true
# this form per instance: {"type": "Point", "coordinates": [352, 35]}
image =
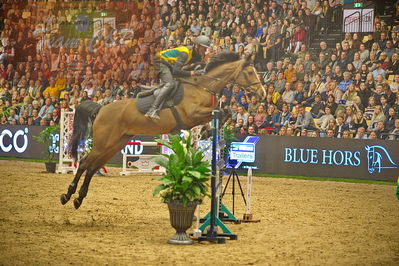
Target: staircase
{"type": "Point", "coordinates": [388, 12]}
{"type": "Point", "coordinates": [331, 38]}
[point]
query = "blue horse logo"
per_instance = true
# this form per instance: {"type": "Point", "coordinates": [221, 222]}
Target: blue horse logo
{"type": "Point", "coordinates": [375, 156]}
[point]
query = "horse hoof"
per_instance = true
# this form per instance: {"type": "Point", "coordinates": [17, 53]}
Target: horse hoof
{"type": "Point", "coordinates": [64, 199]}
{"type": "Point", "coordinates": [77, 203]}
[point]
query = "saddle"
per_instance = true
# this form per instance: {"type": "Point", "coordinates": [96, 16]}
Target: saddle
{"type": "Point", "coordinates": [147, 97]}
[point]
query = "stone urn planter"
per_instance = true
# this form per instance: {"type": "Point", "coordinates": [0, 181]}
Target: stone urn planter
{"type": "Point", "coordinates": [50, 167]}
{"type": "Point", "coordinates": [181, 218]}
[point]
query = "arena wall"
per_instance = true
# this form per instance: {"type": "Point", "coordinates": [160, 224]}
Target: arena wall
{"type": "Point", "coordinates": [304, 156]}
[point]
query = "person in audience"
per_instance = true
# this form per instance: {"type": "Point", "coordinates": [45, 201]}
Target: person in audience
{"type": "Point", "coordinates": [340, 127]}
{"type": "Point", "coordinates": [394, 133]}
{"type": "Point", "coordinates": [380, 130]}
{"type": "Point", "coordinates": [330, 133]}
{"type": "Point", "coordinates": [369, 111]}
{"type": "Point", "coordinates": [304, 133]}
{"type": "Point", "coordinates": [36, 118]}
{"type": "Point", "coordinates": [251, 131]}
{"type": "Point", "coordinates": [317, 107]}
{"type": "Point", "coordinates": [360, 133]}
{"type": "Point", "coordinates": [373, 135]}
{"type": "Point", "coordinates": [43, 123]}
{"type": "Point", "coordinates": [47, 108]}
{"type": "Point", "coordinates": [378, 70]}
{"type": "Point", "coordinates": [346, 134]}
{"type": "Point", "coordinates": [253, 105]}
{"type": "Point", "coordinates": [242, 114]}
{"type": "Point", "coordinates": [251, 121]}
{"type": "Point", "coordinates": [323, 121]}
{"type": "Point", "coordinates": [390, 119]}
{"type": "Point", "coordinates": [12, 115]}
{"type": "Point", "coordinates": [304, 120]}
{"type": "Point", "coordinates": [315, 134]}
{"type": "Point", "coordinates": [260, 115]}
{"type": "Point", "coordinates": [378, 116]}
{"type": "Point", "coordinates": [290, 132]}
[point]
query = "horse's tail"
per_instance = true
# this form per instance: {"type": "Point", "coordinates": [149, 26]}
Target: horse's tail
{"type": "Point", "coordinates": [85, 114]}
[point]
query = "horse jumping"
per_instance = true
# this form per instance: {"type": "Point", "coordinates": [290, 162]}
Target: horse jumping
{"type": "Point", "coordinates": [116, 123]}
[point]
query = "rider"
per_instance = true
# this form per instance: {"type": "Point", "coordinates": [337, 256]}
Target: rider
{"type": "Point", "coordinates": [172, 62]}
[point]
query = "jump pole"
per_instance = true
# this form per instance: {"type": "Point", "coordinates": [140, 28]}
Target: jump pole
{"type": "Point", "coordinates": [213, 220]}
{"type": "Point", "coordinates": [248, 217]}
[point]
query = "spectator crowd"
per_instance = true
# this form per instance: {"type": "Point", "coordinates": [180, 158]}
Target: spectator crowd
{"type": "Point", "coordinates": [346, 90]}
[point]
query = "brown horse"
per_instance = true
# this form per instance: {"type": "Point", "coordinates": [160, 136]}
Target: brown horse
{"type": "Point", "coordinates": [116, 123]}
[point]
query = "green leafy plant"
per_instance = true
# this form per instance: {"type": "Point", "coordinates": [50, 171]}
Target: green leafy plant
{"type": "Point", "coordinates": [6, 111]}
{"type": "Point", "coordinates": [228, 138]}
{"type": "Point", "coordinates": [46, 138]}
{"type": "Point", "coordinates": [187, 176]}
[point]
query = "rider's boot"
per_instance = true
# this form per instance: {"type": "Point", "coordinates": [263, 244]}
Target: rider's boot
{"type": "Point", "coordinates": [155, 108]}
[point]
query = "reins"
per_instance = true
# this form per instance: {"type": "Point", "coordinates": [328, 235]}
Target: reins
{"type": "Point", "coordinates": [214, 94]}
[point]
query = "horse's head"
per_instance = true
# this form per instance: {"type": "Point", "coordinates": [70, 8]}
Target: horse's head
{"type": "Point", "coordinates": [248, 78]}
{"type": "Point", "coordinates": [378, 158]}
{"type": "Point", "coordinates": [227, 67]}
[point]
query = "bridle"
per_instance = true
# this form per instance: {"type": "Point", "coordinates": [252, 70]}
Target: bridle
{"type": "Point", "coordinates": [234, 83]}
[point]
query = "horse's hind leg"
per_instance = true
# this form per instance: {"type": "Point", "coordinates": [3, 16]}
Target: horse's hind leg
{"type": "Point", "coordinates": [97, 158]}
{"type": "Point", "coordinates": [85, 187]}
{"type": "Point", "coordinates": [72, 187]}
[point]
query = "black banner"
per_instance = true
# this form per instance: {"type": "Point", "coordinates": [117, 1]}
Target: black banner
{"type": "Point", "coordinates": [303, 156]}
{"type": "Point", "coordinates": [324, 157]}
{"type": "Point", "coordinates": [18, 141]}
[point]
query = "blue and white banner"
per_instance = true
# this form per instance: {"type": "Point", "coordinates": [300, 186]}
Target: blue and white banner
{"type": "Point", "coordinates": [323, 157]}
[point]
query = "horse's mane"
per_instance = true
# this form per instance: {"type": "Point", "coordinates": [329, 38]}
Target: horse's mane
{"type": "Point", "coordinates": [220, 59]}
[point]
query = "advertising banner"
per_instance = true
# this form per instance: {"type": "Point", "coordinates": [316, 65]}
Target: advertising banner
{"type": "Point", "coordinates": [323, 157]}
{"type": "Point", "coordinates": [300, 156]}
{"type": "Point", "coordinates": [18, 141]}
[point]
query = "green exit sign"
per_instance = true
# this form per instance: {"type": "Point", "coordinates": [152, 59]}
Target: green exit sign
{"type": "Point", "coordinates": [104, 14]}
{"type": "Point", "coordinates": [358, 5]}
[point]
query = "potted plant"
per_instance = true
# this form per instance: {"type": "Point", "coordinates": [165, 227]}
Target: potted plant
{"type": "Point", "coordinates": [46, 138]}
{"type": "Point", "coordinates": [184, 185]}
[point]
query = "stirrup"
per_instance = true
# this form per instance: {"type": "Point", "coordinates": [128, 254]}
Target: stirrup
{"type": "Point", "coordinates": [152, 114]}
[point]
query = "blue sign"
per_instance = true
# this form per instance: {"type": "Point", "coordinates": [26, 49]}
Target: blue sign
{"type": "Point", "coordinates": [241, 151]}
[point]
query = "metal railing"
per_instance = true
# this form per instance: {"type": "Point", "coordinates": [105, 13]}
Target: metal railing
{"type": "Point", "coordinates": [354, 22]}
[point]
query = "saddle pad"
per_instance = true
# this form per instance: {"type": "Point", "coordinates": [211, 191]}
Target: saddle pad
{"type": "Point", "coordinates": [144, 104]}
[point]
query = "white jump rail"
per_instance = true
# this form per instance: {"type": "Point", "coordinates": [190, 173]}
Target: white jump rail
{"type": "Point", "coordinates": [144, 164]}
